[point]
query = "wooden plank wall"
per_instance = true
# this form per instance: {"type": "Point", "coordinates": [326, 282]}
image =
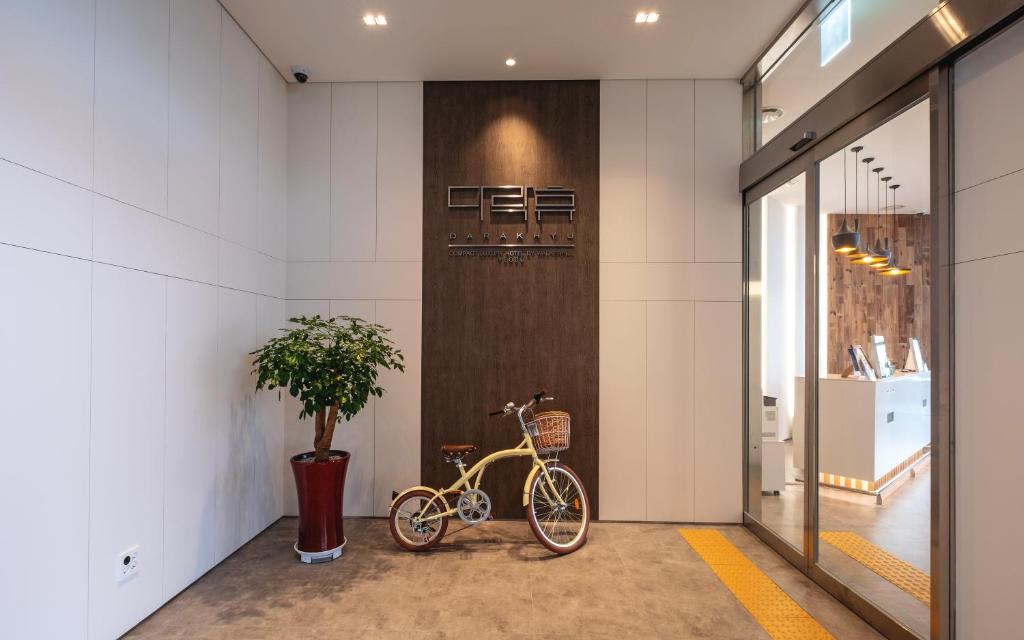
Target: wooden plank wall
{"type": "Point", "coordinates": [492, 331]}
{"type": "Point", "coordinates": [862, 303]}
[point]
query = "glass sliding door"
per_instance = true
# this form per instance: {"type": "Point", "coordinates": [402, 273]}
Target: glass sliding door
{"type": "Point", "coordinates": [776, 241]}
{"type": "Point", "coordinates": [839, 364]}
{"type": "Point", "coordinates": [874, 406]}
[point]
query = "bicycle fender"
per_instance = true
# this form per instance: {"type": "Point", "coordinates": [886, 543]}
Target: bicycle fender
{"type": "Point", "coordinates": [437, 494]}
{"type": "Point", "coordinates": [526, 486]}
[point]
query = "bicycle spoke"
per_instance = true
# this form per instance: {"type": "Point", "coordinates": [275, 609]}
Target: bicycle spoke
{"type": "Point", "coordinates": [560, 521]}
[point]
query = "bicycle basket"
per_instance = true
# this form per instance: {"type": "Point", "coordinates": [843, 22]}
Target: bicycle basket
{"type": "Point", "coordinates": [550, 431]}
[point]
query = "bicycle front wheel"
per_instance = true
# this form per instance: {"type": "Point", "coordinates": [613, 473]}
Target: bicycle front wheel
{"type": "Point", "coordinates": [561, 525]}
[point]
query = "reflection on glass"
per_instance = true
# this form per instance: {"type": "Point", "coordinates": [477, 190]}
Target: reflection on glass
{"type": "Point", "coordinates": [847, 35]}
{"type": "Point", "coordinates": [874, 421]}
{"type": "Point", "coordinates": [776, 330]}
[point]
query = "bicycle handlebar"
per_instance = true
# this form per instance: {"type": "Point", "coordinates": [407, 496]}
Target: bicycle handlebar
{"type": "Point", "coordinates": [538, 398]}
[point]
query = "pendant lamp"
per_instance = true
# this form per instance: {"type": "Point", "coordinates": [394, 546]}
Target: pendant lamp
{"type": "Point", "coordinates": [846, 240]}
{"type": "Point", "coordinates": [887, 263]}
{"type": "Point", "coordinates": [880, 253]}
{"type": "Point", "coordinates": [863, 254]}
{"type": "Point", "coordinates": [894, 268]}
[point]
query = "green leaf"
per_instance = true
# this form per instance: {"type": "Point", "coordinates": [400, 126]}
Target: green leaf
{"type": "Point", "coordinates": [328, 361]}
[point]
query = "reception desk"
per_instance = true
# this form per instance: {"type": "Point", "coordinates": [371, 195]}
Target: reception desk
{"type": "Point", "coordinates": [870, 431]}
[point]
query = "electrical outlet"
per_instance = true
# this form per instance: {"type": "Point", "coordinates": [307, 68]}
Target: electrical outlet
{"type": "Point", "coordinates": [127, 564]}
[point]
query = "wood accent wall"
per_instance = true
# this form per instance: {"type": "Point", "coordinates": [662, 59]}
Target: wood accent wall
{"type": "Point", "coordinates": [862, 303]}
{"type": "Point", "coordinates": [495, 332]}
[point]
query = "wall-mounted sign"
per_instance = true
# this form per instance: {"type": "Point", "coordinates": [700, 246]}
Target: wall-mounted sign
{"type": "Point", "coordinates": [502, 201]}
{"type": "Point", "coordinates": [514, 199]}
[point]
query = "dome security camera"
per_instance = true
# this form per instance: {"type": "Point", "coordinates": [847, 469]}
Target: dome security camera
{"type": "Point", "coordinates": [301, 74]}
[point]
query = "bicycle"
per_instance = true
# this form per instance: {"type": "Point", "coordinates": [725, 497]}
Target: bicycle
{"type": "Point", "coordinates": [557, 507]}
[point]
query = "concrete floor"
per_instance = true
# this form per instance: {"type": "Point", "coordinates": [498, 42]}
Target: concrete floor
{"type": "Point", "coordinates": [493, 581]}
{"type": "Point", "coordinates": [901, 526]}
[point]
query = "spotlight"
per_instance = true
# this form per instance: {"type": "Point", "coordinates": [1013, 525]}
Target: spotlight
{"type": "Point", "coordinates": [511, 62]}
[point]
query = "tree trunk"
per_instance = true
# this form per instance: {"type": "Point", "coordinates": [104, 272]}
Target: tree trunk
{"type": "Point", "coordinates": [323, 450]}
{"type": "Point", "coordinates": [318, 436]}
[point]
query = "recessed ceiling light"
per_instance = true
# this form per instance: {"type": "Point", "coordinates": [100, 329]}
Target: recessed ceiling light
{"type": "Point", "coordinates": [371, 20]}
{"type": "Point", "coordinates": [647, 17]}
{"type": "Point", "coordinates": [511, 62]}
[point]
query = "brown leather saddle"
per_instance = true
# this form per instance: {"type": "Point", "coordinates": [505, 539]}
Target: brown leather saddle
{"type": "Point", "coordinates": [455, 451]}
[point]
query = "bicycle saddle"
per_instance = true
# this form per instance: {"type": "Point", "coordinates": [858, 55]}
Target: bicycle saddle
{"type": "Point", "coordinates": [450, 451]}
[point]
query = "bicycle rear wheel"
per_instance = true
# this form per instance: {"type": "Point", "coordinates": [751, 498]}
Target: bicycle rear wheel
{"type": "Point", "coordinates": [561, 526]}
{"type": "Point", "coordinates": [406, 522]}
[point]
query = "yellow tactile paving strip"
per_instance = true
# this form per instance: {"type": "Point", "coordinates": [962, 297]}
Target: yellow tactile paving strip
{"type": "Point", "coordinates": [769, 605]}
{"type": "Point", "coordinates": [905, 576]}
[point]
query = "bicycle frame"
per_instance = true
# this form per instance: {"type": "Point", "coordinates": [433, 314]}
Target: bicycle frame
{"type": "Point", "coordinates": [471, 479]}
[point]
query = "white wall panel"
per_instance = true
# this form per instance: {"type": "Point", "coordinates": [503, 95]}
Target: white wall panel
{"type": "Point", "coordinates": [623, 160]}
{"type": "Point", "coordinates": [309, 172]}
{"type": "Point", "coordinates": [718, 468]}
{"type": "Point", "coordinates": [40, 212]}
{"type": "Point", "coordinates": [989, 344]}
{"type": "Point", "coordinates": [670, 166]}
{"type": "Point", "coordinates": [126, 452]}
{"type": "Point", "coordinates": [397, 414]}
{"type": "Point", "coordinates": [988, 220]}
{"type": "Point", "coordinates": [355, 280]}
{"type": "Point", "coordinates": [272, 223]}
{"type": "Point", "coordinates": [989, 348]}
{"type": "Point", "coordinates": [622, 397]}
{"type": "Point", "coordinates": [190, 450]}
{"type": "Point", "coordinates": [670, 244]}
{"type": "Point", "coordinates": [400, 172]}
{"type": "Point", "coordinates": [46, 80]}
{"type": "Point", "coordinates": [268, 461]}
{"type": "Point", "coordinates": [132, 116]}
{"type": "Point", "coordinates": [193, 171]}
{"type": "Point", "coordinates": [717, 155]}
{"type": "Point", "coordinates": [708, 281]}
{"type": "Point", "coordinates": [669, 373]}
{"type": "Point", "coordinates": [249, 270]}
{"type": "Point", "coordinates": [354, 171]}
{"type": "Point", "coordinates": [238, 439]}
{"type": "Point", "coordinates": [130, 237]}
{"type": "Point", "coordinates": [988, 93]}
{"type": "Point", "coordinates": [298, 434]}
{"type": "Point", "coordinates": [239, 134]}
{"type": "Point", "coordinates": [169, 447]}
{"type": "Point", "coordinates": [45, 330]}
{"type": "Point", "coordinates": [357, 437]}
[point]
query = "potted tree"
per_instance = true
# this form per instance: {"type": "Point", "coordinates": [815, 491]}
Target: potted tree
{"type": "Point", "coordinates": [331, 366]}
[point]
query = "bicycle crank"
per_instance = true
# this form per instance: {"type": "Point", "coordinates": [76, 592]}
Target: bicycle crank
{"type": "Point", "coordinates": [474, 506]}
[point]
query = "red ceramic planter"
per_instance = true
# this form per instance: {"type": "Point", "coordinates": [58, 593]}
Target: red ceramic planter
{"type": "Point", "coordinates": [321, 490]}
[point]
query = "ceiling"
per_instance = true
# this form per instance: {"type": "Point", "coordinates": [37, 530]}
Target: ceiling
{"type": "Point", "coordinates": [902, 146]}
{"type": "Point", "coordinates": [550, 39]}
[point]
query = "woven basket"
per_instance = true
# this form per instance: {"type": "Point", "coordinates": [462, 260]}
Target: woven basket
{"type": "Point", "coordinates": [550, 431]}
